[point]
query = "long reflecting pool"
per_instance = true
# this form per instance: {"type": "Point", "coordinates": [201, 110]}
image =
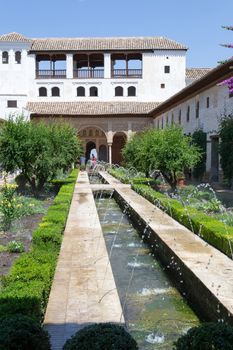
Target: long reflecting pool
{"type": "Point", "coordinates": [155, 312]}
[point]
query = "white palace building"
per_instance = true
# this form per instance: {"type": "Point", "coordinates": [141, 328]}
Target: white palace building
{"type": "Point", "coordinates": [110, 88]}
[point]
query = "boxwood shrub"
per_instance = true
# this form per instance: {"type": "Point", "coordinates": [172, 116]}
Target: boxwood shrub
{"type": "Point", "coordinates": [101, 336]}
{"type": "Point", "coordinates": [19, 332]}
{"type": "Point", "coordinates": [26, 288]}
{"type": "Point", "coordinates": [208, 336]}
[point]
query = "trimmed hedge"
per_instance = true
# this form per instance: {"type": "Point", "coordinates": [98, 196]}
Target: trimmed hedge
{"type": "Point", "coordinates": [101, 336]}
{"type": "Point", "coordinates": [120, 176]}
{"type": "Point", "coordinates": [207, 336]}
{"type": "Point", "coordinates": [20, 332]}
{"type": "Point", "coordinates": [209, 229]}
{"type": "Point", "coordinates": [212, 231]}
{"type": "Point", "coordinates": [26, 288]}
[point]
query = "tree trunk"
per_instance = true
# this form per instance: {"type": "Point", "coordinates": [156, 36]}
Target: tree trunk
{"type": "Point", "coordinates": [171, 181]}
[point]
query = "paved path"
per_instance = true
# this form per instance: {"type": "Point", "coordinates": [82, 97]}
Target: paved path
{"type": "Point", "coordinates": [213, 269]}
{"type": "Point", "coordinates": [83, 289]}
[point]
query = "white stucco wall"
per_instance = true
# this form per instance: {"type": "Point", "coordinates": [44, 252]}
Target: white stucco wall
{"type": "Point", "coordinates": [220, 104]}
{"type": "Point", "coordinates": [18, 81]}
{"type": "Point", "coordinates": [14, 78]}
{"type": "Point", "coordinates": [148, 87]}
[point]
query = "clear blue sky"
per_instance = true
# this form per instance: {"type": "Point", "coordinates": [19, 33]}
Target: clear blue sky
{"type": "Point", "coordinates": [195, 23]}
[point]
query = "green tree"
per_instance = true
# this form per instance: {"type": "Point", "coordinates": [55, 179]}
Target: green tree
{"type": "Point", "coordinates": [226, 146]}
{"type": "Point", "coordinates": [167, 150]}
{"type": "Point", "coordinates": [199, 139]}
{"type": "Point", "coordinates": [39, 150]}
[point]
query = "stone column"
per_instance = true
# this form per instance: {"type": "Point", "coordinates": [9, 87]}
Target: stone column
{"type": "Point", "coordinates": [97, 147]}
{"type": "Point", "coordinates": [110, 153]}
{"type": "Point", "coordinates": [107, 65]}
{"type": "Point", "coordinates": [129, 133]}
{"type": "Point", "coordinates": [69, 65]}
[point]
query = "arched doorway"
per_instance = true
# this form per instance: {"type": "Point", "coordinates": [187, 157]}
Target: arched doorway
{"type": "Point", "coordinates": [103, 153]}
{"type": "Point", "coordinates": [119, 141]}
{"type": "Point", "coordinates": [90, 146]}
{"type": "Point", "coordinates": [93, 138]}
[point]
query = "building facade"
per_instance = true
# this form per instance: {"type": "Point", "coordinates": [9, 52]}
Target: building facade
{"type": "Point", "coordinates": [110, 88]}
{"type": "Point", "coordinates": [105, 87]}
{"type": "Point", "coordinates": [200, 106]}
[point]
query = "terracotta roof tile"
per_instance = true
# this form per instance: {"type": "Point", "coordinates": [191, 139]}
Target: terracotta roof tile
{"type": "Point", "coordinates": [90, 108]}
{"type": "Point", "coordinates": [196, 73]}
{"type": "Point", "coordinates": [15, 37]}
{"type": "Point", "coordinates": [93, 44]}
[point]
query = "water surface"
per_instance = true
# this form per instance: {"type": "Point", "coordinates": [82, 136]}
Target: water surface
{"type": "Point", "coordinates": [155, 312]}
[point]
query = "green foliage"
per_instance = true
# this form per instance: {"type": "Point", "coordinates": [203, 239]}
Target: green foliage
{"type": "Point", "coordinates": [211, 206]}
{"type": "Point", "coordinates": [120, 175]}
{"type": "Point", "coordinates": [21, 181]}
{"type": "Point", "coordinates": [15, 247]}
{"type": "Point", "coordinates": [29, 206]}
{"type": "Point", "coordinates": [199, 139]}
{"type": "Point", "coordinates": [226, 218]}
{"type": "Point", "coordinates": [26, 288]}
{"type": "Point", "coordinates": [13, 206]}
{"type": "Point", "coordinates": [211, 230]}
{"type": "Point", "coordinates": [101, 336]}
{"type": "Point", "coordinates": [37, 149]}
{"type": "Point", "coordinates": [167, 150]}
{"type": "Point", "coordinates": [208, 336]}
{"type": "Point", "coordinates": [20, 332]}
{"type": "Point", "coordinates": [8, 205]}
{"type": "Point", "coordinates": [226, 147]}
{"type": "Point", "coordinates": [146, 181]}
{"type": "Point", "coordinates": [2, 248]}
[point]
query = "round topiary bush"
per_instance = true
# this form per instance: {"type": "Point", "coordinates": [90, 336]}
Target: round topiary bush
{"type": "Point", "coordinates": [101, 336]}
{"type": "Point", "coordinates": [21, 332]}
{"type": "Point", "coordinates": [208, 336]}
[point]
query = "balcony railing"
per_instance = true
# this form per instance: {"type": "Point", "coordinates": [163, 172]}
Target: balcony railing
{"type": "Point", "coordinates": [89, 73]}
{"type": "Point", "coordinates": [127, 73]}
{"type": "Point", "coordinates": [51, 74]}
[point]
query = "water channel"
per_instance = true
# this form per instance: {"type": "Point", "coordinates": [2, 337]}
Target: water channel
{"type": "Point", "coordinates": [155, 312]}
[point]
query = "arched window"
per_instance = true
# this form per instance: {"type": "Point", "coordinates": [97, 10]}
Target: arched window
{"type": "Point", "coordinates": [93, 91]}
{"type": "Point", "coordinates": [55, 91]}
{"type": "Point", "coordinates": [80, 91]}
{"type": "Point", "coordinates": [131, 91]}
{"type": "Point", "coordinates": [42, 91]}
{"type": "Point", "coordinates": [119, 91]}
{"type": "Point", "coordinates": [18, 57]}
{"type": "Point", "coordinates": [5, 57]}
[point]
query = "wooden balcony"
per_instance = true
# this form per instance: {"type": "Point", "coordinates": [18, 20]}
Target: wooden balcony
{"type": "Point", "coordinates": [127, 73]}
{"type": "Point", "coordinates": [51, 74]}
{"type": "Point", "coordinates": [88, 73]}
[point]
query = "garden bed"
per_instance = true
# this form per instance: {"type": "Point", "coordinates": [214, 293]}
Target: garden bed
{"type": "Point", "coordinates": [25, 289]}
{"type": "Point", "coordinates": [21, 231]}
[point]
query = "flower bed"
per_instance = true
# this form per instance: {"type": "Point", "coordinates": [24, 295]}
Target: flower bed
{"type": "Point", "coordinates": [26, 288]}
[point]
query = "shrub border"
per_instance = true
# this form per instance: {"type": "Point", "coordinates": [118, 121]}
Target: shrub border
{"type": "Point", "coordinates": [25, 290]}
{"type": "Point", "coordinates": [209, 229]}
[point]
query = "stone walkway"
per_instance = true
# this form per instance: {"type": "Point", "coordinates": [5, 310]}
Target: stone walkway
{"type": "Point", "coordinates": [210, 272]}
{"type": "Point", "coordinates": [83, 289]}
